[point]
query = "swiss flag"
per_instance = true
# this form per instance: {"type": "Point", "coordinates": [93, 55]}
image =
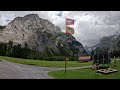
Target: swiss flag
{"type": "Point", "coordinates": [69, 21]}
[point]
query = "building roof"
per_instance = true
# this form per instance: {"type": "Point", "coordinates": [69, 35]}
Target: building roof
{"type": "Point", "coordinates": [84, 57]}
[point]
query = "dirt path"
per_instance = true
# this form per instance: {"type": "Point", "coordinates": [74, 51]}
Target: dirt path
{"type": "Point", "coordinates": [10, 70]}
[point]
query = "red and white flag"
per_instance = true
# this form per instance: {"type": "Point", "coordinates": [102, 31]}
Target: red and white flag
{"type": "Point", "coordinates": [69, 21]}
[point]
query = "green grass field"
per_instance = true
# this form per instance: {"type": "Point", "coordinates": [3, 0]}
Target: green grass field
{"type": "Point", "coordinates": [45, 63]}
{"type": "Point", "coordinates": [86, 73]}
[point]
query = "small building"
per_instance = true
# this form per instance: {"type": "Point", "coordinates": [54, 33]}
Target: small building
{"type": "Point", "coordinates": [84, 58]}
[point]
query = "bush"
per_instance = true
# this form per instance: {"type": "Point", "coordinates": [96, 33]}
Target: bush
{"type": "Point", "coordinates": [73, 59]}
{"type": "Point", "coordinates": [58, 58]}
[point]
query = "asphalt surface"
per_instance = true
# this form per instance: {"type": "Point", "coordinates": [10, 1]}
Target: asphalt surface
{"type": "Point", "coordinates": [10, 70]}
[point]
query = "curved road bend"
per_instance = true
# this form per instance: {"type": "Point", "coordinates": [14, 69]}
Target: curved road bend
{"type": "Point", "coordinates": [10, 70]}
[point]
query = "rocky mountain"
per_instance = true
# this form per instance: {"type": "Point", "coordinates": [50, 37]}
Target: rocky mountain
{"type": "Point", "coordinates": [109, 43]}
{"type": "Point", "coordinates": [93, 47]}
{"type": "Point", "coordinates": [40, 35]}
{"type": "Point", "coordinates": [88, 50]}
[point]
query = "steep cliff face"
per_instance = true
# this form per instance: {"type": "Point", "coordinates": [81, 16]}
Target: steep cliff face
{"type": "Point", "coordinates": [39, 34]}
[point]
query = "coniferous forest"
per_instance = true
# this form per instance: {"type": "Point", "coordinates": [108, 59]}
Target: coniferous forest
{"type": "Point", "coordinates": [17, 51]}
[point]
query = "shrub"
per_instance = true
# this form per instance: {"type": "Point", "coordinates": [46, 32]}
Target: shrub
{"type": "Point", "coordinates": [73, 59]}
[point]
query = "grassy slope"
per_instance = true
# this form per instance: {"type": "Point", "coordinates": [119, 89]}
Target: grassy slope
{"type": "Point", "coordinates": [86, 73]}
{"type": "Point", "coordinates": [45, 63]}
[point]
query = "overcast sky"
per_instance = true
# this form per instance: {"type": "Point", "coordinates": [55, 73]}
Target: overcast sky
{"type": "Point", "coordinates": [89, 26]}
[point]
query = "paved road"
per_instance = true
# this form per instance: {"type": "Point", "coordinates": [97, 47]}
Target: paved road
{"type": "Point", "coordinates": [10, 70]}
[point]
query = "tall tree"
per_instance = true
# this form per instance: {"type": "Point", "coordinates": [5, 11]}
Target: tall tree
{"type": "Point", "coordinates": [9, 48]}
{"type": "Point", "coordinates": [3, 48]}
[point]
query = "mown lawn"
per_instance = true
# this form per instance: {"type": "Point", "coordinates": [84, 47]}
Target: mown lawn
{"type": "Point", "coordinates": [45, 63]}
{"type": "Point", "coordinates": [86, 73]}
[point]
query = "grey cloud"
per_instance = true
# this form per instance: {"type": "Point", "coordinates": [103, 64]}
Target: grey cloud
{"type": "Point", "coordinates": [90, 26]}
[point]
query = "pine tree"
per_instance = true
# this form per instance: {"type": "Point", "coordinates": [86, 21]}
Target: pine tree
{"type": "Point", "coordinates": [9, 48]}
{"type": "Point", "coordinates": [3, 48]}
{"type": "Point", "coordinates": [16, 51]}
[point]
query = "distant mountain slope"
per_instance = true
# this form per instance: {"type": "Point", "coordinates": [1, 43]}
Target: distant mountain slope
{"type": "Point", "coordinates": [108, 43]}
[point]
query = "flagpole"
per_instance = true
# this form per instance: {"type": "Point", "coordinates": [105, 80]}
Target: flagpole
{"type": "Point", "coordinates": [66, 46]}
{"type": "Point", "coordinates": [71, 22]}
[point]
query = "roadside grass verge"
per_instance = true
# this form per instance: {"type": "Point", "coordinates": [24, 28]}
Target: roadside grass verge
{"type": "Point", "coordinates": [45, 63]}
